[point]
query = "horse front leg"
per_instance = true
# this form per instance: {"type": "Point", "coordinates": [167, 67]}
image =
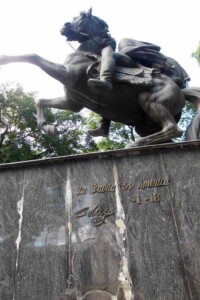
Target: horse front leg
{"type": "Point", "coordinates": [57, 71]}
{"type": "Point", "coordinates": [59, 103]}
{"type": "Point", "coordinates": [102, 130]}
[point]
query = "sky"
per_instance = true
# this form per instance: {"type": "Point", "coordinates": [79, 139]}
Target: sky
{"type": "Point", "coordinates": [33, 26]}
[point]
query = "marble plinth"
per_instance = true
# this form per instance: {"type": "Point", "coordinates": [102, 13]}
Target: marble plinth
{"type": "Point", "coordinates": [116, 225]}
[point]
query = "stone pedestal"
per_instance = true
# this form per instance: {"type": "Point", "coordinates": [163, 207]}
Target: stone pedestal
{"type": "Point", "coordinates": [116, 225]}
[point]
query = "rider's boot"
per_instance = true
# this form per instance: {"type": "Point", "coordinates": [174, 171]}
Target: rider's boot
{"type": "Point", "coordinates": [105, 81]}
{"type": "Point", "coordinates": [107, 70]}
{"type": "Point", "coordinates": [102, 83]}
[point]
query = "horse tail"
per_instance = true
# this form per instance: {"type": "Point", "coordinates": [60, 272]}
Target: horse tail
{"type": "Point", "coordinates": [193, 130]}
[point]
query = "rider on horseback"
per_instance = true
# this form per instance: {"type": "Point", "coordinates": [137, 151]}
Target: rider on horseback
{"type": "Point", "coordinates": [145, 54]}
{"type": "Point", "coordinates": [152, 105]}
{"type": "Point", "coordinates": [108, 64]}
{"type": "Point", "coordinates": [132, 54]}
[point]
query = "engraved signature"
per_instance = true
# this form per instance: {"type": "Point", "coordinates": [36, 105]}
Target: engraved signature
{"type": "Point", "coordinates": [97, 214]}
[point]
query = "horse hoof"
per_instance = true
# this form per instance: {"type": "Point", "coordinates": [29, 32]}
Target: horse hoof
{"type": "Point", "coordinates": [50, 129]}
{"type": "Point", "coordinates": [135, 144]}
{"type": "Point", "coordinates": [98, 132]}
{"type": "Point", "coordinates": [129, 146]}
{"type": "Point", "coordinates": [102, 84]}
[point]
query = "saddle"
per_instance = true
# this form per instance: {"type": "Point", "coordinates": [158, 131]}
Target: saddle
{"type": "Point", "coordinates": [133, 76]}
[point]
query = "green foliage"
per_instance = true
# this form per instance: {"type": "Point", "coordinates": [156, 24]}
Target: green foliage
{"type": "Point", "coordinates": [196, 54]}
{"type": "Point", "coordinates": [187, 115]}
{"type": "Point", "coordinates": [20, 138]}
{"type": "Point", "coordinates": [119, 134]}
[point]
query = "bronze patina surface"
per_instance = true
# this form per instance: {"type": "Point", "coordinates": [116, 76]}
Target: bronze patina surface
{"type": "Point", "coordinates": [137, 86]}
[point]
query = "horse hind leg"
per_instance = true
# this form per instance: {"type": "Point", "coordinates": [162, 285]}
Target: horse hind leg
{"type": "Point", "coordinates": [161, 115]}
{"type": "Point", "coordinates": [168, 132]}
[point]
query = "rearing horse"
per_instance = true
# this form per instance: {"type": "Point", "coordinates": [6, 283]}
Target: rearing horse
{"type": "Point", "coordinates": [153, 109]}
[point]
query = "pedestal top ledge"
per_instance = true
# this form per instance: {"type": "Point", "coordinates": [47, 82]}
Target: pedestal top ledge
{"type": "Point", "coordinates": [183, 146]}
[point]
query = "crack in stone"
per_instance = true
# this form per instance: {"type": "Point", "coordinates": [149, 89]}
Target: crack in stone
{"type": "Point", "coordinates": [176, 226]}
{"type": "Point", "coordinates": [124, 275]}
{"type": "Point", "coordinates": [20, 208]}
{"type": "Point", "coordinates": [68, 210]}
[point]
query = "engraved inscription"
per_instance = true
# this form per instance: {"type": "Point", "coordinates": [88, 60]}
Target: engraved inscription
{"type": "Point", "coordinates": [125, 187]}
{"type": "Point", "coordinates": [81, 191]}
{"type": "Point", "coordinates": [153, 183]}
{"type": "Point", "coordinates": [97, 214]}
{"type": "Point", "coordinates": [153, 198]}
{"type": "Point", "coordinates": [137, 199]}
{"type": "Point", "coordinates": [102, 188]}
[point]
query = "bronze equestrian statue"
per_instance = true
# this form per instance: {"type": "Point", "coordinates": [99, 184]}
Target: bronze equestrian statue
{"type": "Point", "coordinates": [137, 86]}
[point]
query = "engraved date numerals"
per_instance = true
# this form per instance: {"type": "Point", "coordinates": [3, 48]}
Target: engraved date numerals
{"type": "Point", "coordinates": [153, 198]}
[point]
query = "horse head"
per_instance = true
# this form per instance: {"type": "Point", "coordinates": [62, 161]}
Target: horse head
{"type": "Point", "coordinates": [85, 27]}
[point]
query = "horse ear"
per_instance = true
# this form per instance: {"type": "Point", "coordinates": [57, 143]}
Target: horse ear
{"type": "Point", "coordinates": [90, 11]}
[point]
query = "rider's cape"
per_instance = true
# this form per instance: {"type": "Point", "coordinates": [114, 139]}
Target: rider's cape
{"type": "Point", "coordinates": [149, 56]}
{"type": "Point", "coordinates": [142, 51]}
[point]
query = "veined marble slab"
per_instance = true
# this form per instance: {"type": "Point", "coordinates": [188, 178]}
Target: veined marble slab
{"type": "Point", "coordinates": [116, 225]}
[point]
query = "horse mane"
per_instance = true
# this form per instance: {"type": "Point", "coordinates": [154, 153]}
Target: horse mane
{"type": "Point", "coordinates": [102, 36]}
{"type": "Point", "coordinates": [100, 22]}
{"type": "Point", "coordinates": [96, 26]}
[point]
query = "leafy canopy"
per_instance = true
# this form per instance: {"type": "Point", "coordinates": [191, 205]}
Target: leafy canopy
{"type": "Point", "coordinates": [196, 54]}
{"type": "Point", "coordinates": [21, 139]}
